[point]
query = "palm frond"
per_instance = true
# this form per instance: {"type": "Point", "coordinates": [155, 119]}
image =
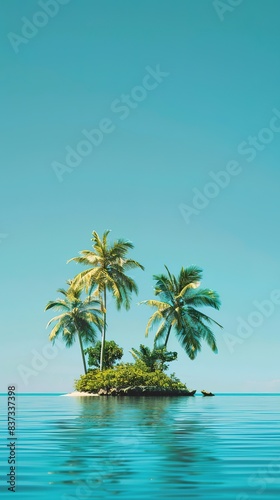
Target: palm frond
{"type": "Point", "coordinates": [187, 275]}
{"type": "Point", "coordinates": [203, 316]}
{"type": "Point", "coordinates": [57, 304]}
{"type": "Point", "coordinates": [132, 264]}
{"type": "Point", "coordinates": [156, 303]}
{"type": "Point", "coordinates": [203, 297]}
{"type": "Point", "coordinates": [161, 333]}
{"type": "Point", "coordinates": [56, 318]}
{"type": "Point", "coordinates": [55, 331]}
{"type": "Point", "coordinates": [62, 291]}
{"type": "Point", "coordinates": [153, 321]}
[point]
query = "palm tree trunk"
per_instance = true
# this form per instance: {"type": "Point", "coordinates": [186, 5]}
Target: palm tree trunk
{"type": "Point", "coordinates": [103, 331]}
{"type": "Point", "coordinates": [167, 336]}
{"type": "Point", "coordinates": [83, 354]}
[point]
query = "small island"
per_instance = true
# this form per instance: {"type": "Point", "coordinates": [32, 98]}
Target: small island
{"type": "Point", "coordinates": [145, 377]}
{"type": "Point", "coordinates": [83, 314]}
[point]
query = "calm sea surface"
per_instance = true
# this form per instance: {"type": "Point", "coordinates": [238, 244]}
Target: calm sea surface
{"type": "Point", "coordinates": [226, 447]}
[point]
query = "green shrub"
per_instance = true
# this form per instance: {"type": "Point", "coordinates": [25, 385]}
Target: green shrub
{"type": "Point", "coordinates": [112, 354]}
{"type": "Point", "coordinates": [155, 359]}
{"type": "Point", "coordinates": [125, 375]}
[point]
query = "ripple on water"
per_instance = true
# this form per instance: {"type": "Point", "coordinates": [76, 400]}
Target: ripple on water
{"type": "Point", "coordinates": [77, 448]}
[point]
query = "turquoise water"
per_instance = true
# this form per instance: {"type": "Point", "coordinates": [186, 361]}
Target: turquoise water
{"type": "Point", "coordinates": [226, 447]}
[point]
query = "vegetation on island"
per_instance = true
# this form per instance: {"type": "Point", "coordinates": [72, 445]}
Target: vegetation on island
{"type": "Point", "coordinates": [155, 359]}
{"type": "Point", "coordinates": [83, 316]}
{"type": "Point", "coordinates": [127, 375]}
{"type": "Point", "coordinates": [147, 371]}
{"type": "Point", "coordinates": [112, 354]}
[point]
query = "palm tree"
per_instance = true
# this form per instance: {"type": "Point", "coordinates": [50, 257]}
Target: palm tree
{"type": "Point", "coordinates": [107, 272]}
{"type": "Point", "coordinates": [78, 318]}
{"type": "Point", "coordinates": [155, 359]}
{"type": "Point", "coordinates": [177, 308]}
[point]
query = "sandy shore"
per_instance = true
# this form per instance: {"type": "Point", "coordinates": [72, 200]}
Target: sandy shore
{"type": "Point", "coordinates": [77, 394]}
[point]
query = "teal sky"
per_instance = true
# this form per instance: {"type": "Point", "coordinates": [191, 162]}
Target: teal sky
{"type": "Point", "coordinates": [220, 92]}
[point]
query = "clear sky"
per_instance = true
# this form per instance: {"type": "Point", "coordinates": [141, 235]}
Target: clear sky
{"type": "Point", "coordinates": [176, 92]}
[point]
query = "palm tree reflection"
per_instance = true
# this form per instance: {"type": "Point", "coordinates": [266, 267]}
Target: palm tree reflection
{"type": "Point", "coordinates": [150, 444]}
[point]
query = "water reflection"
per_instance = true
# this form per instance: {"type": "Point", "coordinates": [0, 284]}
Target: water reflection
{"type": "Point", "coordinates": [114, 445]}
{"type": "Point", "coordinates": [159, 448]}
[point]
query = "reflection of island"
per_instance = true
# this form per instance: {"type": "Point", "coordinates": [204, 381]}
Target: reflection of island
{"type": "Point", "coordinates": [116, 445]}
{"type": "Point", "coordinates": [87, 461]}
{"type": "Point", "coordinates": [189, 454]}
